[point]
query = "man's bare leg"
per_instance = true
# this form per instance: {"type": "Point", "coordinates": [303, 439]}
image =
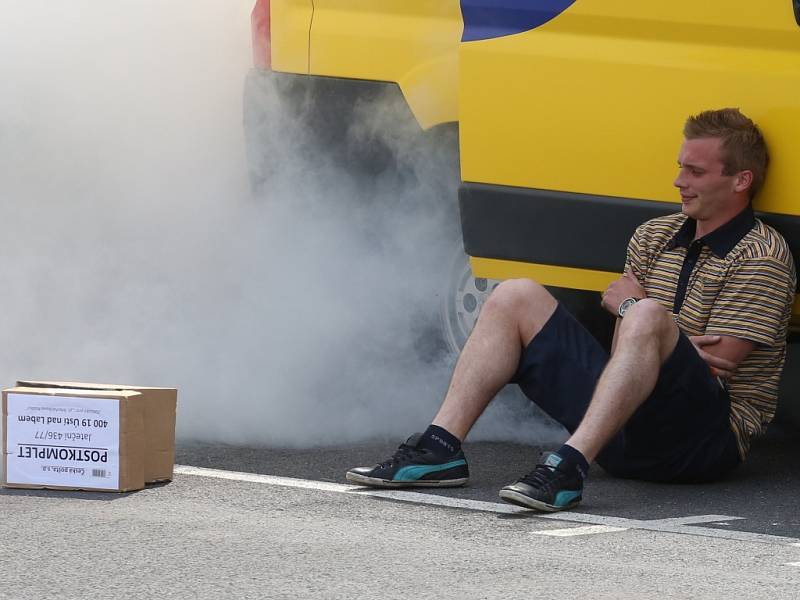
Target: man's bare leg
{"type": "Point", "coordinates": [514, 313]}
{"type": "Point", "coordinates": [646, 338]}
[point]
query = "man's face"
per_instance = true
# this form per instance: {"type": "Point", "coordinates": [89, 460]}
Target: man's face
{"type": "Point", "coordinates": [705, 191]}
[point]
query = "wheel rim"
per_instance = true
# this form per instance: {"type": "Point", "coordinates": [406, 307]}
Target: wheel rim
{"type": "Point", "coordinates": [463, 300]}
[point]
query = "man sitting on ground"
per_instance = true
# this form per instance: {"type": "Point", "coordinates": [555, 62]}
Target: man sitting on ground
{"type": "Point", "coordinates": [702, 312]}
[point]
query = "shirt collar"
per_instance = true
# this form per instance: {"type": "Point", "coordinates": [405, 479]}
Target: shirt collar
{"type": "Point", "coordinates": [722, 239]}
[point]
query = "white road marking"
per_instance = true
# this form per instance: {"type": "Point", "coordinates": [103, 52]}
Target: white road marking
{"type": "Point", "coordinates": [680, 525]}
{"type": "Point", "coordinates": [268, 479]}
{"type": "Point", "coordinates": [794, 564]}
{"type": "Point", "coordinates": [697, 519]}
{"type": "Point", "coordinates": [585, 530]}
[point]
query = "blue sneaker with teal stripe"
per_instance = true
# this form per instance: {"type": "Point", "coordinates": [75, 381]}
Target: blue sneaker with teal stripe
{"type": "Point", "coordinates": [414, 466]}
{"type": "Point", "coordinates": [552, 486]}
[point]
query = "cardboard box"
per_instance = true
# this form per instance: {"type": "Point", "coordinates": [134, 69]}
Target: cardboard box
{"type": "Point", "coordinates": [159, 422]}
{"type": "Point", "coordinates": [68, 439]}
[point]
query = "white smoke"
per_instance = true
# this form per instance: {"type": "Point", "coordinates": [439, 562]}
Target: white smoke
{"type": "Point", "coordinates": [134, 251]}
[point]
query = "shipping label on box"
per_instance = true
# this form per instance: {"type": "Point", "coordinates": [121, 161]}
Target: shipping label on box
{"type": "Point", "coordinates": [63, 441]}
{"type": "Point", "coordinates": [159, 406]}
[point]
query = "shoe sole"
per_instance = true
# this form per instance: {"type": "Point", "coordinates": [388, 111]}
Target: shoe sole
{"type": "Point", "coordinates": [528, 502]}
{"type": "Point", "coordinates": [389, 483]}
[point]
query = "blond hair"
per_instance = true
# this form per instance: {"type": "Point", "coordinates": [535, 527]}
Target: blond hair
{"type": "Point", "coordinates": [742, 143]}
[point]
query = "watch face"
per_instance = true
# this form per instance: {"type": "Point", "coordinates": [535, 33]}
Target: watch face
{"type": "Point", "coordinates": [626, 304]}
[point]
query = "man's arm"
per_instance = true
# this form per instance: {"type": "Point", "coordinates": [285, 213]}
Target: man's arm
{"type": "Point", "coordinates": [751, 310]}
{"type": "Point", "coordinates": [722, 353]}
{"type": "Point", "coordinates": [629, 285]}
{"type": "Point", "coordinates": [626, 286]}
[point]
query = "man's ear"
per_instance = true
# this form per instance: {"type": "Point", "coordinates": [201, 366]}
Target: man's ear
{"type": "Point", "coordinates": [744, 179]}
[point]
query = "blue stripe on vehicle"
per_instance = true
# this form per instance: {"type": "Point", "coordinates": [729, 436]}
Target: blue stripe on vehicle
{"type": "Point", "coordinates": [487, 19]}
{"type": "Point", "coordinates": [415, 472]}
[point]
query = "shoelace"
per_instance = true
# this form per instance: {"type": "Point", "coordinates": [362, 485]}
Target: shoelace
{"type": "Point", "coordinates": [402, 454]}
{"type": "Point", "coordinates": [542, 476]}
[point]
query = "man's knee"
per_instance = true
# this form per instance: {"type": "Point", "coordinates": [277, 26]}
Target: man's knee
{"type": "Point", "coordinates": [523, 301]}
{"type": "Point", "coordinates": [516, 296]}
{"type": "Point", "coordinates": [648, 319]}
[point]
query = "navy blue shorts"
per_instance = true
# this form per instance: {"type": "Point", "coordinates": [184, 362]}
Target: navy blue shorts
{"type": "Point", "coordinates": [682, 430]}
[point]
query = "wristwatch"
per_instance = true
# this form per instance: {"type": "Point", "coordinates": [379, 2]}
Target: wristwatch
{"type": "Point", "coordinates": [625, 305]}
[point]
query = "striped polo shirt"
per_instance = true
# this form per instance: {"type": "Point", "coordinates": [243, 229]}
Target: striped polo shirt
{"type": "Point", "coordinates": [738, 280]}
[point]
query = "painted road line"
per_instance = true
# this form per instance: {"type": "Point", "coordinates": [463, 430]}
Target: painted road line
{"type": "Point", "coordinates": [399, 495]}
{"type": "Point", "coordinates": [694, 520]}
{"type": "Point", "coordinates": [434, 500]}
{"type": "Point", "coordinates": [667, 526]}
{"type": "Point", "coordinates": [585, 530]}
{"type": "Point", "coordinates": [794, 564]}
{"type": "Point", "coordinates": [267, 479]}
{"type": "Point", "coordinates": [681, 525]}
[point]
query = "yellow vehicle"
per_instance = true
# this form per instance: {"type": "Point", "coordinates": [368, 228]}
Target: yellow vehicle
{"type": "Point", "coordinates": [568, 112]}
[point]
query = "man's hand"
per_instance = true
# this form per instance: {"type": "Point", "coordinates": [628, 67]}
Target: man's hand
{"type": "Point", "coordinates": [626, 286]}
{"type": "Point", "coordinates": [720, 367]}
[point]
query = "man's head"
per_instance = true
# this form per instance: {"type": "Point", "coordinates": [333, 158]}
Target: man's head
{"type": "Point", "coordinates": [723, 163]}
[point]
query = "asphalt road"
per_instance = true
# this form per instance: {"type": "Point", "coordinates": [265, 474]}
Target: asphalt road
{"type": "Point", "coordinates": [763, 492]}
{"type": "Point", "coordinates": [206, 537]}
{"type": "Point", "coordinates": [269, 523]}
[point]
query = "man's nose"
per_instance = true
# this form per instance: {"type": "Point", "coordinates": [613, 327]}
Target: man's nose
{"type": "Point", "coordinates": [679, 183]}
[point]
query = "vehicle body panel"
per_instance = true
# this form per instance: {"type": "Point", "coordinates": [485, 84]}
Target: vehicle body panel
{"type": "Point", "coordinates": [586, 97]}
{"type": "Point", "coordinates": [411, 42]}
{"type": "Point", "coordinates": [291, 21]}
{"type": "Point", "coordinates": [594, 100]}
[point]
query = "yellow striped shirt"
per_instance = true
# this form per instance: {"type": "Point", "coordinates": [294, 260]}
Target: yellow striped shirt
{"type": "Point", "coordinates": [742, 284]}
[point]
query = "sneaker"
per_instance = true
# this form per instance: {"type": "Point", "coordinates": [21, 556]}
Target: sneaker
{"type": "Point", "coordinates": [549, 487]}
{"type": "Point", "coordinates": [414, 466]}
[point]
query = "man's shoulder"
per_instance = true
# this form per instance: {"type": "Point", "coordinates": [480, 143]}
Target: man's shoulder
{"type": "Point", "coordinates": [660, 230]}
{"type": "Point", "coordinates": [672, 222]}
{"type": "Point", "coordinates": [763, 241]}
